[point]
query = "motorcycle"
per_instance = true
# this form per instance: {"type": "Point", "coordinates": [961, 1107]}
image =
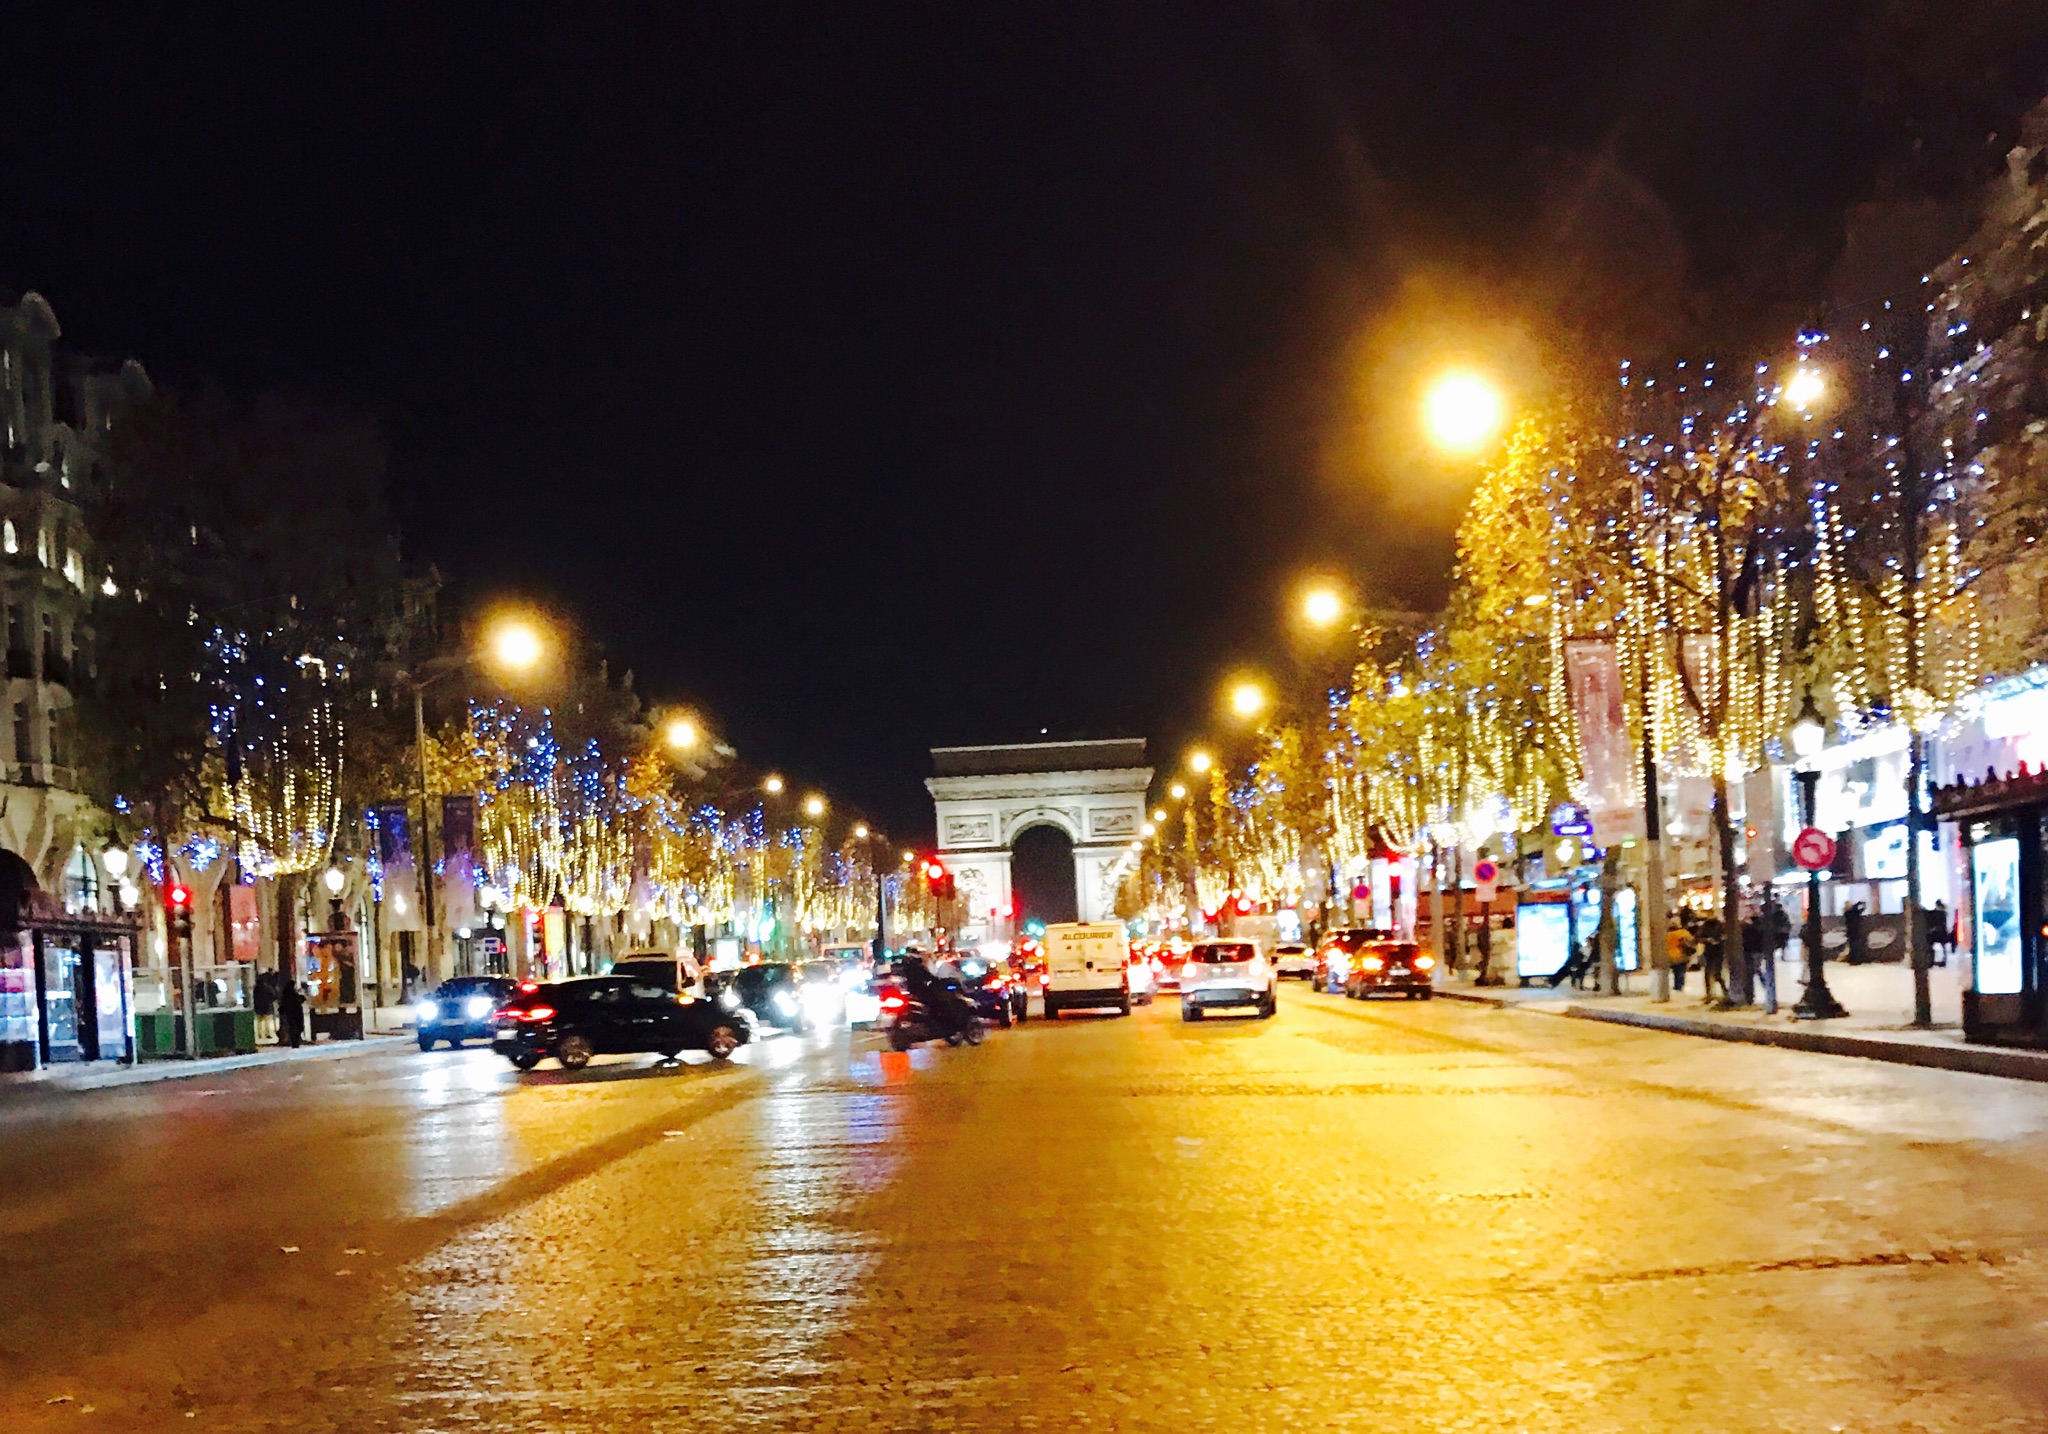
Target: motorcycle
{"type": "Point", "coordinates": [914, 1025]}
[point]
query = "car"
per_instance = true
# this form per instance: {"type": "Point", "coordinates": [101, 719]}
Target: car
{"type": "Point", "coordinates": [1166, 963]}
{"type": "Point", "coordinates": [822, 990]}
{"type": "Point", "coordinates": [463, 1008]}
{"type": "Point", "coordinates": [589, 1016]}
{"type": "Point", "coordinates": [679, 974]}
{"type": "Point", "coordinates": [1224, 973]}
{"type": "Point", "coordinates": [1144, 979]}
{"type": "Point", "coordinates": [1335, 952]}
{"type": "Point", "coordinates": [987, 986]}
{"type": "Point", "coordinates": [1293, 959]}
{"type": "Point", "coordinates": [1381, 967]}
{"type": "Point", "coordinates": [771, 991]}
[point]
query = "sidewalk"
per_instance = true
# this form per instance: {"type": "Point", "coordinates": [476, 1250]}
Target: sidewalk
{"type": "Point", "coordinates": [1879, 1026]}
{"type": "Point", "coordinates": [387, 1029]}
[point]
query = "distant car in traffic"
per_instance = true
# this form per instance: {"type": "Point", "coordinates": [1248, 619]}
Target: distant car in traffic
{"type": "Point", "coordinates": [1293, 960]}
{"type": "Point", "coordinates": [463, 1008]}
{"type": "Point", "coordinates": [1389, 967]}
{"type": "Point", "coordinates": [989, 988]}
{"type": "Point", "coordinates": [821, 988]}
{"type": "Point", "coordinates": [1335, 952]}
{"type": "Point", "coordinates": [771, 991]}
{"type": "Point", "coordinates": [610, 1015]}
{"type": "Point", "coordinates": [1225, 973]}
{"type": "Point", "coordinates": [679, 974]}
{"type": "Point", "coordinates": [1143, 977]}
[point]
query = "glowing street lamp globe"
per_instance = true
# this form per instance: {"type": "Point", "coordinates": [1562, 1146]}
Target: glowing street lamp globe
{"type": "Point", "coordinates": [681, 734]}
{"type": "Point", "coordinates": [1247, 699]}
{"type": "Point", "coordinates": [1463, 411]}
{"type": "Point", "coordinates": [516, 645]}
{"type": "Point", "coordinates": [1321, 607]}
{"type": "Point", "coordinates": [1804, 388]}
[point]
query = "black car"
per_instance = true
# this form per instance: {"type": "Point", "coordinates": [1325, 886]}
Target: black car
{"type": "Point", "coordinates": [658, 968]}
{"type": "Point", "coordinates": [611, 1015]}
{"type": "Point", "coordinates": [462, 1009]}
{"type": "Point", "coordinates": [989, 988]}
{"type": "Point", "coordinates": [1390, 966]}
{"type": "Point", "coordinates": [771, 991]}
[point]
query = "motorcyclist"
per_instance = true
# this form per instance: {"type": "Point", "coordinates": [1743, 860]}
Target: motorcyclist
{"type": "Point", "coordinates": [950, 1012]}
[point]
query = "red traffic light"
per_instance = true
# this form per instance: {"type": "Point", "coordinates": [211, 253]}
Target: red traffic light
{"type": "Point", "coordinates": [1244, 906]}
{"type": "Point", "coordinates": [935, 872]}
{"type": "Point", "coordinates": [178, 894]}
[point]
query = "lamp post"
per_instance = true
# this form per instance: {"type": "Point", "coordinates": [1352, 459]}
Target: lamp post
{"type": "Point", "coordinates": [1808, 736]}
{"type": "Point", "coordinates": [515, 645]}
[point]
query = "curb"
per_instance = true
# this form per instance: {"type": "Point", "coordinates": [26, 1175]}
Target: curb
{"type": "Point", "coordinates": [174, 1069]}
{"type": "Point", "coordinates": [1974, 1060]}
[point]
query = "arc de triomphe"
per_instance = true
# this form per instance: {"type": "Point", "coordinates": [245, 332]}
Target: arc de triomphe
{"type": "Point", "coordinates": [987, 796]}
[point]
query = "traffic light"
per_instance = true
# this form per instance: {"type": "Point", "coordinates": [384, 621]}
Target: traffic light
{"type": "Point", "coordinates": [178, 911]}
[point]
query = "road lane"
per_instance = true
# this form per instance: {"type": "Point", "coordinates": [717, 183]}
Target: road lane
{"type": "Point", "coordinates": [1394, 1216]}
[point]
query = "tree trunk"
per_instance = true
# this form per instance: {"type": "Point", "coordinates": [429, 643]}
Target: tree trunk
{"type": "Point", "coordinates": [286, 926]}
{"type": "Point", "coordinates": [1735, 961]}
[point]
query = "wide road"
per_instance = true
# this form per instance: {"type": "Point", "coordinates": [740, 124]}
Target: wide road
{"type": "Point", "coordinates": [1384, 1217]}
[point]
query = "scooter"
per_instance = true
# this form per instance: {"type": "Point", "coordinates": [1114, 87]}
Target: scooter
{"type": "Point", "coordinates": [915, 1024]}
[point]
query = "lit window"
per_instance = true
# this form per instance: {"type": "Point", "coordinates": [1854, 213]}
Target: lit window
{"type": "Point", "coordinates": [8, 539]}
{"type": "Point", "coordinates": [43, 546]}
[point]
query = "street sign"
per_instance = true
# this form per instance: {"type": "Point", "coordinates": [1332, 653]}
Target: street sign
{"type": "Point", "coordinates": [1570, 820]}
{"type": "Point", "coordinates": [1813, 849]}
{"type": "Point", "coordinates": [1486, 881]}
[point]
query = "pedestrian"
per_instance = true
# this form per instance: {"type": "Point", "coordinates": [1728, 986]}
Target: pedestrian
{"type": "Point", "coordinates": [1763, 961]}
{"type": "Point", "coordinates": [266, 1005]}
{"type": "Point", "coordinates": [1678, 949]}
{"type": "Point", "coordinates": [1713, 961]}
{"type": "Point", "coordinates": [1777, 926]}
{"type": "Point", "coordinates": [1856, 930]}
{"type": "Point", "coordinates": [1941, 933]}
{"type": "Point", "coordinates": [291, 1011]}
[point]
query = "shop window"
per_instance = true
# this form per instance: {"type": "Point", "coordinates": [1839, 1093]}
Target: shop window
{"type": "Point", "coordinates": [81, 883]}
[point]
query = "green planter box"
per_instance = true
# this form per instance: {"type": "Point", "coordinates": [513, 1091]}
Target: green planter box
{"type": "Point", "coordinates": [156, 1034]}
{"type": "Point", "coordinates": [223, 1033]}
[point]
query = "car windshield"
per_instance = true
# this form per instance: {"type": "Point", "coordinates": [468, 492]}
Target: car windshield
{"type": "Point", "coordinates": [1397, 950]}
{"type": "Point", "coordinates": [467, 985]}
{"type": "Point", "coordinates": [1350, 940]}
{"type": "Point", "coordinates": [1223, 952]}
{"type": "Point", "coordinates": [818, 971]}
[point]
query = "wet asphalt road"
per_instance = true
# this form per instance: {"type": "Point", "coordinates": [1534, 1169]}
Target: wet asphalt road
{"type": "Point", "coordinates": [1398, 1217]}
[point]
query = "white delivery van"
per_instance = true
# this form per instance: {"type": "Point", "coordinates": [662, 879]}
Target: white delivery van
{"type": "Point", "coordinates": [1086, 966]}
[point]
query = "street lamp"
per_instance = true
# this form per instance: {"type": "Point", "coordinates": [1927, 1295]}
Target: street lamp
{"type": "Point", "coordinates": [1807, 737]}
{"type": "Point", "coordinates": [814, 805]}
{"type": "Point", "coordinates": [1321, 606]}
{"type": "Point", "coordinates": [773, 786]}
{"type": "Point", "coordinates": [516, 645]}
{"type": "Point", "coordinates": [1177, 791]}
{"type": "Point", "coordinates": [1199, 761]}
{"type": "Point", "coordinates": [1247, 698]}
{"type": "Point", "coordinates": [115, 860]}
{"type": "Point", "coordinates": [860, 831]}
{"type": "Point", "coordinates": [1463, 410]}
{"type": "Point", "coordinates": [1804, 388]}
{"type": "Point", "coordinates": [681, 734]}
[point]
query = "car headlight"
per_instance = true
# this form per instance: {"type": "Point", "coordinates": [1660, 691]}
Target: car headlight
{"type": "Point", "coordinates": [477, 1008]}
{"type": "Point", "coordinates": [783, 1003]}
{"type": "Point", "coordinates": [729, 998]}
{"type": "Point", "coordinates": [427, 1010]}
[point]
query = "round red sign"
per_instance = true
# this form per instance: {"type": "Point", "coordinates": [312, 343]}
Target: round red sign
{"type": "Point", "coordinates": [1813, 849]}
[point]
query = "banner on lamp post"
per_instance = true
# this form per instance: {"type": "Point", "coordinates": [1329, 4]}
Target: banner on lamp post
{"type": "Point", "coordinates": [1592, 670]}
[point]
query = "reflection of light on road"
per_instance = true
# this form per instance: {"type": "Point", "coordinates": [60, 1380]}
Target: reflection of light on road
{"type": "Point", "coordinates": [820, 1152]}
{"type": "Point", "coordinates": [459, 1146]}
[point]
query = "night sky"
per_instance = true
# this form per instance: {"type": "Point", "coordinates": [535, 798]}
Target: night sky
{"type": "Point", "coordinates": [878, 376]}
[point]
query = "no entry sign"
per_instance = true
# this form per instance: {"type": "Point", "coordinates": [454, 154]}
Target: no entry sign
{"type": "Point", "coordinates": [1813, 849]}
{"type": "Point", "coordinates": [1486, 877]}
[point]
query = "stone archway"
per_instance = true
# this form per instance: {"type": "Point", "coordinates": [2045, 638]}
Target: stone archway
{"type": "Point", "coordinates": [987, 797]}
{"type": "Point", "coordinates": [1042, 880]}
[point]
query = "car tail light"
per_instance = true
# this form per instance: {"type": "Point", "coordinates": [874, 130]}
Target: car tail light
{"type": "Point", "coordinates": [533, 1013]}
{"type": "Point", "coordinates": [1372, 963]}
{"type": "Point", "coordinates": [893, 1002]}
{"type": "Point", "coordinates": [1423, 963]}
{"type": "Point", "coordinates": [527, 988]}
{"type": "Point", "coordinates": [1044, 979]}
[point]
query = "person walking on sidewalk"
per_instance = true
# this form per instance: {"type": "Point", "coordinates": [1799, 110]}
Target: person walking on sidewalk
{"type": "Point", "coordinates": [291, 1012]}
{"type": "Point", "coordinates": [1777, 926]}
{"type": "Point", "coordinates": [1713, 961]}
{"type": "Point", "coordinates": [1763, 961]}
{"type": "Point", "coordinates": [1678, 948]}
{"type": "Point", "coordinates": [1856, 930]}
